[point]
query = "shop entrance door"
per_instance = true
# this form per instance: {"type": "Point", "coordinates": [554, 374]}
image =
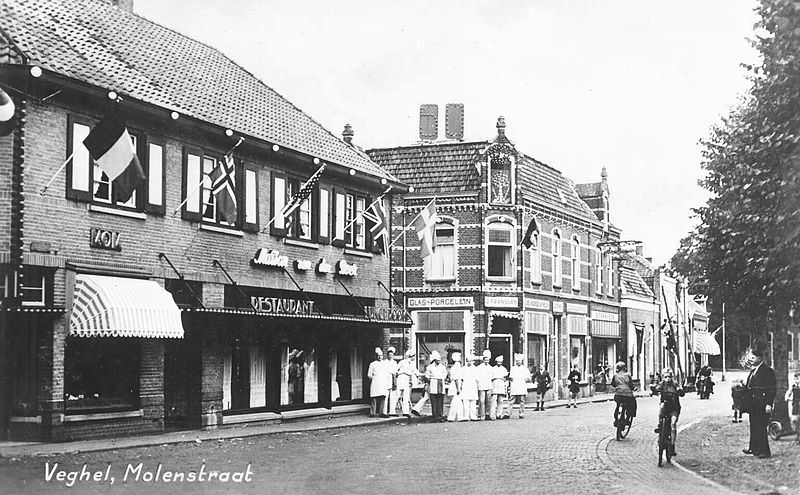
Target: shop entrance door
{"type": "Point", "coordinates": [500, 345]}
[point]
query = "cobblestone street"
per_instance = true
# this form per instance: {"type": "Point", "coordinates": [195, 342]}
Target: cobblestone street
{"type": "Point", "coordinates": [557, 451]}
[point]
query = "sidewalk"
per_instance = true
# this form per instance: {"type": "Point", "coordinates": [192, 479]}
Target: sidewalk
{"type": "Point", "coordinates": [20, 449]}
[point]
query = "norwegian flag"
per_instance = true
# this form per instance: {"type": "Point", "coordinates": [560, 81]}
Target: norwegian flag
{"type": "Point", "coordinates": [303, 194]}
{"type": "Point", "coordinates": [376, 214]}
{"type": "Point", "coordinates": [223, 187]}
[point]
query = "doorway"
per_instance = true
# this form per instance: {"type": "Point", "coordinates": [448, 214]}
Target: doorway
{"type": "Point", "coordinates": [500, 345]}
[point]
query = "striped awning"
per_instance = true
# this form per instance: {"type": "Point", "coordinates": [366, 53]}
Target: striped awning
{"type": "Point", "coordinates": [602, 328]}
{"type": "Point", "coordinates": [123, 307]}
{"type": "Point", "coordinates": [705, 343]}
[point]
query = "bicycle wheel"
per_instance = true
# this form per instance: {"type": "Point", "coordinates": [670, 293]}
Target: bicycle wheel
{"type": "Point", "coordinates": [623, 432]}
{"type": "Point", "coordinates": [664, 434]}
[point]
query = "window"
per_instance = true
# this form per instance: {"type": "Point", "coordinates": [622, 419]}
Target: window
{"type": "Point", "coordinates": [609, 276]}
{"type": "Point", "coordinates": [536, 258]}
{"type": "Point", "coordinates": [87, 182]}
{"type": "Point", "coordinates": [33, 288]}
{"type": "Point", "coordinates": [598, 272]}
{"type": "Point", "coordinates": [442, 263]}
{"type": "Point", "coordinates": [244, 378]}
{"type": "Point", "coordinates": [101, 374]}
{"type": "Point", "coordinates": [576, 263]}
{"type": "Point", "coordinates": [300, 222]}
{"type": "Point", "coordinates": [444, 343]}
{"type": "Point", "coordinates": [790, 344]}
{"type": "Point", "coordinates": [501, 179]}
{"type": "Point", "coordinates": [349, 222]}
{"type": "Point", "coordinates": [537, 351]}
{"type": "Point", "coordinates": [440, 321]}
{"type": "Point", "coordinates": [324, 215]}
{"type": "Point", "coordinates": [9, 287]}
{"type": "Point", "coordinates": [500, 250]}
{"type": "Point", "coordinates": [201, 170]}
{"type": "Point", "coordinates": [557, 269]}
{"type": "Point", "coordinates": [299, 375]}
{"type": "Point", "coordinates": [577, 353]}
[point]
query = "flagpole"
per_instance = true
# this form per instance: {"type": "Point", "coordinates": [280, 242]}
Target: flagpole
{"type": "Point", "coordinates": [723, 342]}
{"type": "Point", "coordinates": [272, 220]}
{"type": "Point", "coordinates": [365, 209]}
{"type": "Point", "coordinates": [412, 221]}
{"type": "Point", "coordinates": [44, 189]}
{"type": "Point", "coordinates": [189, 196]}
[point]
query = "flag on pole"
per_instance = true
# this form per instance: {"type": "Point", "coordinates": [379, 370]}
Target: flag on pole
{"type": "Point", "coordinates": [305, 191]}
{"type": "Point", "coordinates": [223, 187]}
{"type": "Point", "coordinates": [110, 146]}
{"type": "Point", "coordinates": [376, 214]}
{"type": "Point", "coordinates": [425, 225]}
{"type": "Point", "coordinates": [714, 333]}
{"type": "Point", "coordinates": [527, 240]}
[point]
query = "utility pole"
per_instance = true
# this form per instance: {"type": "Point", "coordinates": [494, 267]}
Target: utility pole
{"type": "Point", "coordinates": [723, 342]}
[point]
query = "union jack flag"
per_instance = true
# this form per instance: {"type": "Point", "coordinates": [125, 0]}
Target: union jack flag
{"type": "Point", "coordinates": [380, 227]}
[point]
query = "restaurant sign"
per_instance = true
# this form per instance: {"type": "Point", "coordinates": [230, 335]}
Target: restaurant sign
{"type": "Point", "coordinates": [270, 257]}
{"type": "Point", "coordinates": [281, 306]}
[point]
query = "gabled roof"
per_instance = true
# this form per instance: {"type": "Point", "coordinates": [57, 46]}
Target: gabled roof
{"type": "Point", "coordinates": [542, 182]}
{"type": "Point", "coordinates": [640, 265]}
{"type": "Point", "coordinates": [592, 189]}
{"type": "Point", "coordinates": [632, 283]}
{"type": "Point", "coordinates": [97, 43]}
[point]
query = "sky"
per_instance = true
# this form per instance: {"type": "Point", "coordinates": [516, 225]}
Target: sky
{"type": "Point", "coordinates": [629, 85]}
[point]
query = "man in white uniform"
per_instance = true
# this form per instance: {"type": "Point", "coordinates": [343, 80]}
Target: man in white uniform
{"type": "Point", "coordinates": [391, 393]}
{"type": "Point", "coordinates": [456, 410]}
{"type": "Point", "coordinates": [377, 387]}
{"type": "Point", "coordinates": [499, 377]}
{"type": "Point", "coordinates": [406, 370]}
{"type": "Point", "coordinates": [485, 375]}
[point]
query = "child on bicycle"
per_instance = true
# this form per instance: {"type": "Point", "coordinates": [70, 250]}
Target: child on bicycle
{"type": "Point", "coordinates": [671, 392]}
{"type": "Point", "coordinates": [623, 393]}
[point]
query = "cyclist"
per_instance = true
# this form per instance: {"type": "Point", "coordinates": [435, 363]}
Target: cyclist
{"type": "Point", "coordinates": [623, 394]}
{"type": "Point", "coordinates": [671, 392]}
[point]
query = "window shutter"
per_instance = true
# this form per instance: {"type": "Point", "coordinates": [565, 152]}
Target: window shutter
{"type": "Point", "coordinates": [79, 168]}
{"type": "Point", "coordinates": [278, 195]}
{"type": "Point", "coordinates": [324, 215]}
{"type": "Point", "coordinates": [192, 175]}
{"type": "Point", "coordinates": [339, 218]}
{"type": "Point", "coordinates": [248, 198]}
{"type": "Point", "coordinates": [156, 179]}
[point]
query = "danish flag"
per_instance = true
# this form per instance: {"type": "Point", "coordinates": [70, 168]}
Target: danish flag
{"type": "Point", "coordinates": [425, 225]}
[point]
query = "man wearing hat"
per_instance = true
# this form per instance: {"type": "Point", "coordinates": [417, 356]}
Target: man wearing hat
{"type": "Point", "coordinates": [391, 393]}
{"type": "Point", "coordinates": [469, 388]}
{"type": "Point", "coordinates": [485, 375]}
{"type": "Point", "coordinates": [378, 384]}
{"type": "Point", "coordinates": [406, 370]}
{"type": "Point", "coordinates": [456, 411]}
{"type": "Point", "coordinates": [499, 377]}
{"type": "Point", "coordinates": [436, 373]}
{"type": "Point", "coordinates": [519, 376]}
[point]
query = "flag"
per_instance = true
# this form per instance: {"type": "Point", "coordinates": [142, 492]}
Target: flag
{"type": "Point", "coordinates": [7, 111]}
{"type": "Point", "coordinates": [425, 225]}
{"type": "Point", "coordinates": [379, 230]}
{"type": "Point", "coordinates": [527, 241]}
{"type": "Point", "coordinates": [110, 146]}
{"type": "Point", "coordinates": [303, 194]}
{"type": "Point", "coordinates": [223, 187]}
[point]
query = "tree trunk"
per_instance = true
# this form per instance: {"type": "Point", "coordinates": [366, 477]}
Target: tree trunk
{"type": "Point", "coordinates": [780, 364]}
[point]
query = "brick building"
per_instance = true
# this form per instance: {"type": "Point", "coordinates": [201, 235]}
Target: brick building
{"type": "Point", "coordinates": [121, 317]}
{"type": "Point", "coordinates": [516, 267]}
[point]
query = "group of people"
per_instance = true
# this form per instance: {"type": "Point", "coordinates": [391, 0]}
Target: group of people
{"type": "Point", "coordinates": [478, 390]}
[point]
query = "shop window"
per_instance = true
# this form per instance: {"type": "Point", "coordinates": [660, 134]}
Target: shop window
{"type": "Point", "coordinates": [244, 378]}
{"type": "Point", "coordinates": [35, 287]}
{"type": "Point", "coordinates": [9, 287]}
{"type": "Point", "coordinates": [440, 321]}
{"type": "Point", "coordinates": [500, 250]}
{"type": "Point", "coordinates": [537, 351]}
{"type": "Point", "coordinates": [501, 179]}
{"type": "Point", "coordinates": [87, 182]}
{"type": "Point", "coordinates": [576, 263]}
{"type": "Point", "coordinates": [299, 376]}
{"type": "Point", "coordinates": [445, 343]}
{"type": "Point", "coordinates": [577, 353]}
{"type": "Point", "coordinates": [101, 374]}
{"type": "Point", "coordinates": [346, 372]}
{"type": "Point", "coordinates": [536, 258]}
{"type": "Point", "coordinates": [22, 365]}
{"type": "Point", "coordinates": [441, 265]}
{"type": "Point", "coordinates": [557, 268]}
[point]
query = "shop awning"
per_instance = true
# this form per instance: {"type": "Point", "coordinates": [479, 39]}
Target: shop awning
{"type": "Point", "coordinates": [321, 317]}
{"type": "Point", "coordinates": [513, 315]}
{"type": "Point", "coordinates": [123, 307]}
{"type": "Point", "coordinates": [705, 343]}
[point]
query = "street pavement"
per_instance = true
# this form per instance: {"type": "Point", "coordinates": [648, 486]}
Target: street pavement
{"type": "Point", "coordinates": [560, 450]}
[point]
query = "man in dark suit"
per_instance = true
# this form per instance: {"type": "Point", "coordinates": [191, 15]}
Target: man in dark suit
{"type": "Point", "coordinates": [762, 386]}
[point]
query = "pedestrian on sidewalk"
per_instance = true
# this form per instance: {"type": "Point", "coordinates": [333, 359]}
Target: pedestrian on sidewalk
{"type": "Point", "coordinates": [760, 389]}
{"type": "Point", "coordinates": [574, 379]}
{"type": "Point", "coordinates": [456, 411]}
{"type": "Point", "coordinates": [392, 396]}
{"type": "Point", "coordinates": [792, 398]}
{"type": "Point", "coordinates": [469, 388]}
{"type": "Point", "coordinates": [737, 391]}
{"type": "Point", "coordinates": [520, 376]}
{"type": "Point", "coordinates": [543, 384]}
{"type": "Point", "coordinates": [435, 374]}
{"type": "Point", "coordinates": [485, 375]}
{"type": "Point", "coordinates": [378, 384]}
{"type": "Point", "coordinates": [406, 371]}
{"type": "Point", "coordinates": [499, 377]}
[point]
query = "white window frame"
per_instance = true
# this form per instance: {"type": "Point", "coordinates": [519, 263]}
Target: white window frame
{"type": "Point", "coordinates": [609, 276]}
{"type": "Point", "coordinates": [576, 263]}
{"type": "Point", "coordinates": [155, 174]}
{"type": "Point", "coordinates": [598, 272]}
{"type": "Point", "coordinates": [324, 213]}
{"type": "Point", "coordinates": [536, 258]}
{"type": "Point", "coordinates": [500, 224]}
{"type": "Point", "coordinates": [437, 268]}
{"type": "Point", "coordinates": [25, 285]}
{"type": "Point", "coordinates": [556, 255]}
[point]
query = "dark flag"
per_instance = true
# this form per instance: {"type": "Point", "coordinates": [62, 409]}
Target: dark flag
{"type": "Point", "coordinates": [527, 240]}
{"type": "Point", "coordinates": [223, 187]}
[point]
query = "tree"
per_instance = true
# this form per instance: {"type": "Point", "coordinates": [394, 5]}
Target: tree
{"type": "Point", "coordinates": [746, 250]}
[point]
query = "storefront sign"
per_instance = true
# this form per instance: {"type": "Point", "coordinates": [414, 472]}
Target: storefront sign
{"type": "Point", "coordinates": [324, 267]}
{"type": "Point", "coordinates": [537, 304]}
{"type": "Point", "coordinates": [346, 269]}
{"type": "Point", "coordinates": [441, 302]}
{"type": "Point", "coordinates": [577, 308]}
{"type": "Point", "coordinates": [282, 306]}
{"type": "Point", "coordinates": [271, 257]}
{"type": "Point", "coordinates": [386, 314]}
{"type": "Point", "coordinates": [501, 302]}
{"type": "Point", "coordinates": [104, 239]}
{"type": "Point", "coordinates": [558, 307]}
{"type": "Point", "coordinates": [303, 265]}
{"type": "Point", "coordinates": [605, 316]}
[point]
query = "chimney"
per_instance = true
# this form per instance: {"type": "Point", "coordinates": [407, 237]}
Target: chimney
{"type": "Point", "coordinates": [501, 126]}
{"type": "Point", "coordinates": [428, 122]}
{"type": "Point", "coordinates": [639, 250]}
{"type": "Point", "coordinates": [347, 134]}
{"type": "Point", "coordinates": [126, 5]}
{"type": "Point", "coordinates": [454, 121]}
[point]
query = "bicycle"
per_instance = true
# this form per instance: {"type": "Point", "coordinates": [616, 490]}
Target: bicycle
{"type": "Point", "coordinates": [624, 422]}
{"type": "Point", "coordinates": [665, 439]}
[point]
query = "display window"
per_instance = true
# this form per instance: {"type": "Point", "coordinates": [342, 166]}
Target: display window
{"type": "Point", "coordinates": [101, 374]}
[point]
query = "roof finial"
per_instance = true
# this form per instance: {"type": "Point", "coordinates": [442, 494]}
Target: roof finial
{"type": "Point", "coordinates": [604, 173]}
{"type": "Point", "coordinates": [501, 125]}
{"type": "Point", "coordinates": [347, 134]}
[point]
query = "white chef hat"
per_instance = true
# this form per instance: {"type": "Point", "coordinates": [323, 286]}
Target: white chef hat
{"type": "Point", "coordinates": [519, 357]}
{"type": "Point", "coordinates": [378, 351]}
{"type": "Point", "coordinates": [487, 354]}
{"type": "Point", "coordinates": [410, 353]}
{"type": "Point", "coordinates": [456, 356]}
{"type": "Point", "coordinates": [435, 356]}
{"type": "Point", "coordinates": [390, 349]}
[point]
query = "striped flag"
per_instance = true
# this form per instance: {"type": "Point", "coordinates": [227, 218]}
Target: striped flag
{"type": "Point", "coordinates": [376, 214]}
{"type": "Point", "coordinates": [302, 195]}
{"type": "Point", "coordinates": [110, 146]}
{"type": "Point", "coordinates": [223, 187]}
{"type": "Point", "coordinates": [425, 225]}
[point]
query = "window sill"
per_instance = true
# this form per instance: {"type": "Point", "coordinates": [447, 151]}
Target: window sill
{"type": "Point", "coordinates": [120, 213]}
{"type": "Point", "coordinates": [300, 243]}
{"type": "Point", "coordinates": [441, 280]}
{"type": "Point", "coordinates": [75, 418]}
{"type": "Point", "coordinates": [500, 279]}
{"type": "Point", "coordinates": [353, 252]}
{"type": "Point", "coordinates": [221, 230]}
